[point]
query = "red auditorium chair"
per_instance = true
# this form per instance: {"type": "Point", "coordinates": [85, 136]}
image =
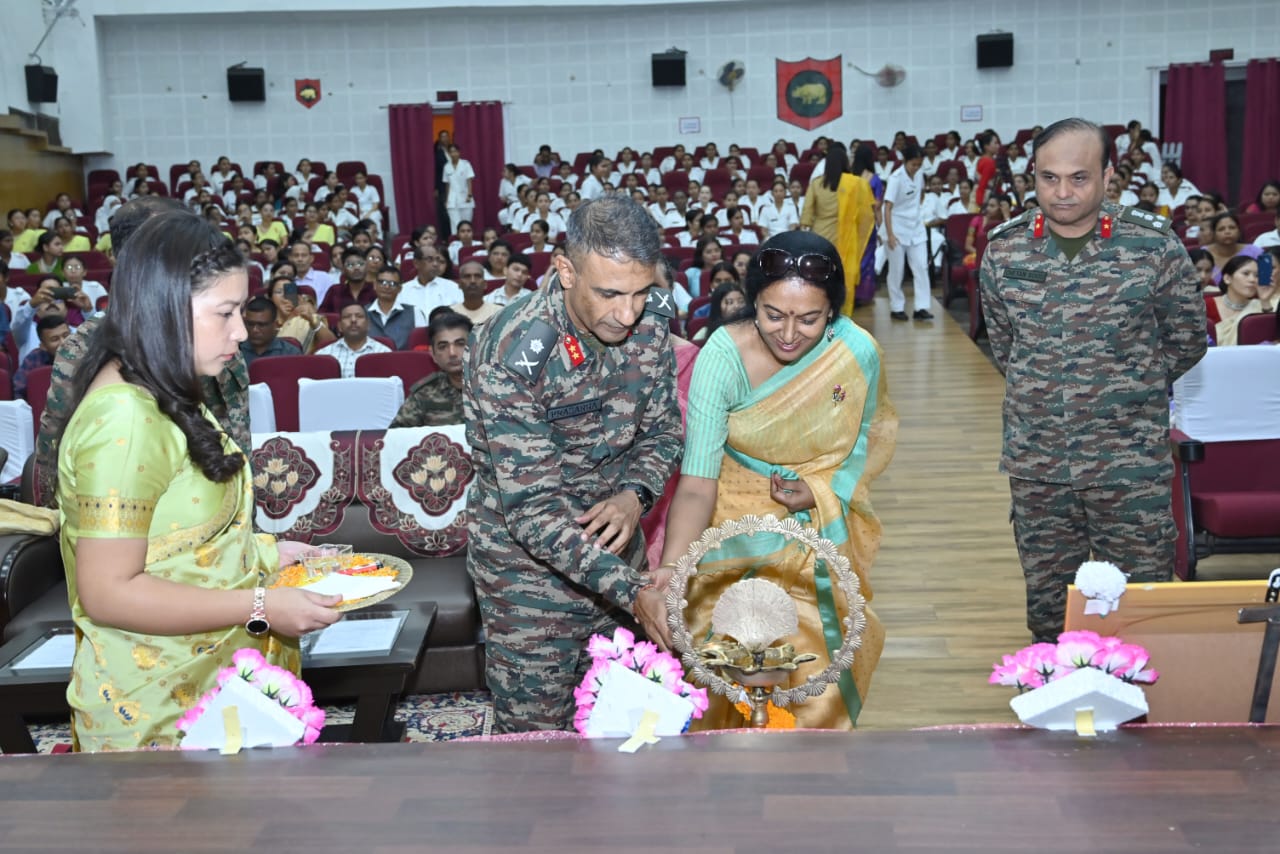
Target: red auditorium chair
{"type": "Point", "coordinates": [6, 385]}
{"type": "Point", "coordinates": [347, 170]}
{"type": "Point", "coordinates": [1258, 329]}
{"type": "Point", "coordinates": [1254, 224]}
{"type": "Point", "coordinates": [1226, 451]}
{"type": "Point", "coordinates": [409, 365]}
{"type": "Point", "coordinates": [281, 374]}
{"type": "Point", "coordinates": [38, 382]}
{"type": "Point", "coordinates": [955, 276]}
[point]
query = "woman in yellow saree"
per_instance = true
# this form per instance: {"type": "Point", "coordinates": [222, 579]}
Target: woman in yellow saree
{"type": "Point", "coordinates": [841, 207]}
{"type": "Point", "coordinates": [164, 572]}
{"type": "Point", "coordinates": [788, 414]}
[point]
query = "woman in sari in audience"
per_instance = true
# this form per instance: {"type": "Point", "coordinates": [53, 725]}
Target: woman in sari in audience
{"type": "Point", "coordinates": [788, 415]}
{"type": "Point", "coordinates": [1224, 242]}
{"type": "Point", "coordinates": [1238, 300]}
{"type": "Point", "coordinates": [164, 572]}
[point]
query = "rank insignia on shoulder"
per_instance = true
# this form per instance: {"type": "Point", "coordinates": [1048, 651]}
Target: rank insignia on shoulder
{"type": "Point", "coordinates": [1005, 228]}
{"type": "Point", "coordinates": [529, 355]}
{"type": "Point", "coordinates": [660, 302]}
{"type": "Point", "coordinates": [1147, 219]}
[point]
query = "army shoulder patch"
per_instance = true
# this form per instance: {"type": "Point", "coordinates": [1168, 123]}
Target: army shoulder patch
{"type": "Point", "coordinates": [529, 355]}
{"type": "Point", "coordinates": [1146, 219]}
{"type": "Point", "coordinates": [660, 302]}
{"type": "Point", "coordinates": [1006, 228]}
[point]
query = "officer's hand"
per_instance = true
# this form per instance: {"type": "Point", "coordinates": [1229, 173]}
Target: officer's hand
{"type": "Point", "coordinates": [893, 242]}
{"type": "Point", "coordinates": [651, 609]}
{"type": "Point", "coordinates": [794, 495]}
{"type": "Point", "coordinates": [615, 520]}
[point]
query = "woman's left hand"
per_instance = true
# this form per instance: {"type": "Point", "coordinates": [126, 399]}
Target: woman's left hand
{"type": "Point", "coordinates": [791, 494]}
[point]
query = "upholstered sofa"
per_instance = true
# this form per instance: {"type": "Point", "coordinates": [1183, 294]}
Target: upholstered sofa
{"type": "Point", "coordinates": [400, 492]}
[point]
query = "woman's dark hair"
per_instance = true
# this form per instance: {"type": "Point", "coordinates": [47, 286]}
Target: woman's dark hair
{"type": "Point", "coordinates": [1198, 255]}
{"type": "Point", "coordinates": [796, 244]}
{"type": "Point", "coordinates": [1274, 184]}
{"type": "Point", "coordinates": [172, 257]}
{"type": "Point", "coordinates": [864, 160]}
{"type": "Point", "coordinates": [716, 317]}
{"type": "Point", "coordinates": [43, 241]}
{"type": "Point", "coordinates": [837, 165]}
{"type": "Point", "coordinates": [1233, 266]}
{"type": "Point", "coordinates": [1174, 168]}
{"type": "Point", "coordinates": [1222, 217]}
{"type": "Point", "coordinates": [703, 243]}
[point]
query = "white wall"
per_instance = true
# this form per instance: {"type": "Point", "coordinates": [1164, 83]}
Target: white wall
{"type": "Point", "coordinates": [579, 77]}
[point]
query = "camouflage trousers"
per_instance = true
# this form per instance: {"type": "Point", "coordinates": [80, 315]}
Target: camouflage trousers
{"type": "Point", "coordinates": [1057, 528]}
{"type": "Point", "coordinates": [536, 630]}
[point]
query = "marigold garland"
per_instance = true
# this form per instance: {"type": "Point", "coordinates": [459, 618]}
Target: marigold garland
{"type": "Point", "coordinates": [778, 718]}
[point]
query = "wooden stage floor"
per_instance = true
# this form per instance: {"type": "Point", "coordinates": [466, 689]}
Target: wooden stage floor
{"type": "Point", "coordinates": [947, 582]}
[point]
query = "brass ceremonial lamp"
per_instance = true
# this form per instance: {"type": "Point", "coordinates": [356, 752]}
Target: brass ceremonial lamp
{"type": "Point", "coordinates": [741, 660]}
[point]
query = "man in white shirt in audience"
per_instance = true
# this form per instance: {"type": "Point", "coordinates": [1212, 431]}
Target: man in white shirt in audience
{"type": "Point", "coordinates": [513, 288]}
{"type": "Point", "coordinates": [302, 260]}
{"type": "Point", "coordinates": [429, 290]}
{"type": "Point", "coordinates": [353, 326]}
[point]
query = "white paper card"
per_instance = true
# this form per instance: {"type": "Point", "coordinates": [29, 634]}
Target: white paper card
{"type": "Point", "coordinates": [55, 653]}
{"type": "Point", "coordinates": [351, 586]}
{"type": "Point", "coordinates": [624, 696]}
{"type": "Point", "coordinates": [350, 636]}
{"type": "Point", "coordinates": [263, 723]}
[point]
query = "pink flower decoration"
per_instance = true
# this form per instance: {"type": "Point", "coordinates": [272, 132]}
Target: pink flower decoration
{"type": "Point", "coordinates": [644, 653]}
{"type": "Point", "coordinates": [1078, 649]}
{"type": "Point", "coordinates": [312, 716]}
{"type": "Point", "coordinates": [1120, 660]}
{"type": "Point", "coordinates": [580, 718]}
{"type": "Point", "coordinates": [248, 661]}
{"type": "Point", "coordinates": [664, 669]}
{"type": "Point", "coordinates": [697, 696]}
{"type": "Point", "coordinates": [309, 735]}
{"type": "Point", "coordinates": [617, 648]}
{"type": "Point", "coordinates": [1039, 658]}
{"type": "Point", "coordinates": [1146, 677]}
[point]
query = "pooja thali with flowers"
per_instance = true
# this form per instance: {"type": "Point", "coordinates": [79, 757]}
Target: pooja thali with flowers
{"type": "Point", "coordinates": [362, 579]}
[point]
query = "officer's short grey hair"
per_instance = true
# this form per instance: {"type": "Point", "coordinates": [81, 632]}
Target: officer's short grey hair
{"type": "Point", "coordinates": [1074, 125]}
{"type": "Point", "coordinates": [615, 227]}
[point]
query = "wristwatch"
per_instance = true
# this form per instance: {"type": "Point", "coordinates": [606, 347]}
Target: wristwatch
{"type": "Point", "coordinates": [257, 624]}
{"type": "Point", "coordinates": [642, 492]}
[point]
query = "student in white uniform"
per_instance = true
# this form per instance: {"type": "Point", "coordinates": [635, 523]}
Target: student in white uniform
{"type": "Point", "coordinates": [907, 239]}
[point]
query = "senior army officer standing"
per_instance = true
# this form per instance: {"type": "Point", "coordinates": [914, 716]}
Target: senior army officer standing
{"type": "Point", "coordinates": [1092, 311]}
{"type": "Point", "coordinates": [572, 418]}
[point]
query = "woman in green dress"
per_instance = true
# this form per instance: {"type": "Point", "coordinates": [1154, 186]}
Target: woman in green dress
{"type": "Point", "coordinates": [164, 573]}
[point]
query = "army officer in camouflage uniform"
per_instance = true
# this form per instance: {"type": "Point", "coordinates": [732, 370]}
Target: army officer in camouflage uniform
{"type": "Point", "coordinates": [1093, 311]}
{"type": "Point", "coordinates": [569, 396]}
{"type": "Point", "coordinates": [437, 399]}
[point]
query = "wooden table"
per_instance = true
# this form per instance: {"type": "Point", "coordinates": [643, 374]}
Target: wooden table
{"type": "Point", "coordinates": [1148, 789]}
{"type": "Point", "coordinates": [374, 680]}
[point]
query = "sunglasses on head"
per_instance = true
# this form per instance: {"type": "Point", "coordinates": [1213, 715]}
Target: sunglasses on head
{"type": "Point", "coordinates": [779, 263]}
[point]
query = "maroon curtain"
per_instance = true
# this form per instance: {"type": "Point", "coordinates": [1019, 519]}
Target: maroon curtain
{"type": "Point", "coordinates": [413, 165]}
{"type": "Point", "coordinates": [1261, 127]}
{"type": "Point", "coordinates": [1196, 116]}
{"type": "Point", "coordinates": [478, 133]}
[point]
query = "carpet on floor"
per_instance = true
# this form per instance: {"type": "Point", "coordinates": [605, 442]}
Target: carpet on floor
{"type": "Point", "coordinates": [426, 717]}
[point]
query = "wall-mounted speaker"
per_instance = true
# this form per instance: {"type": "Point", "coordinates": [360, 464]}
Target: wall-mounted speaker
{"type": "Point", "coordinates": [995, 50]}
{"type": "Point", "coordinates": [42, 84]}
{"type": "Point", "coordinates": [246, 84]}
{"type": "Point", "coordinates": [668, 69]}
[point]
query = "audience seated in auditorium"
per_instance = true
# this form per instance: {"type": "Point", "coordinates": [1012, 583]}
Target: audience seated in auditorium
{"type": "Point", "coordinates": [1269, 238]}
{"type": "Point", "coordinates": [51, 331]}
{"type": "Point", "coordinates": [429, 289]}
{"type": "Point", "coordinates": [353, 324]}
{"type": "Point", "coordinates": [1239, 299]}
{"type": "Point", "coordinates": [1223, 242]}
{"type": "Point", "coordinates": [261, 338]}
{"type": "Point", "coordinates": [390, 316]}
{"type": "Point", "coordinates": [513, 287]}
{"type": "Point", "coordinates": [352, 289]}
{"type": "Point", "coordinates": [473, 306]}
{"type": "Point", "coordinates": [437, 399]}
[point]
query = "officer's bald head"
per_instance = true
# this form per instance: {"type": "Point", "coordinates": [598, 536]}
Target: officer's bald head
{"type": "Point", "coordinates": [1076, 126]}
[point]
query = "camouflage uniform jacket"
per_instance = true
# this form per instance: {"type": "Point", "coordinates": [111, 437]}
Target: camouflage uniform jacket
{"type": "Point", "coordinates": [432, 401]}
{"type": "Point", "coordinates": [227, 396]}
{"type": "Point", "coordinates": [550, 439]}
{"type": "Point", "coordinates": [1089, 346]}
